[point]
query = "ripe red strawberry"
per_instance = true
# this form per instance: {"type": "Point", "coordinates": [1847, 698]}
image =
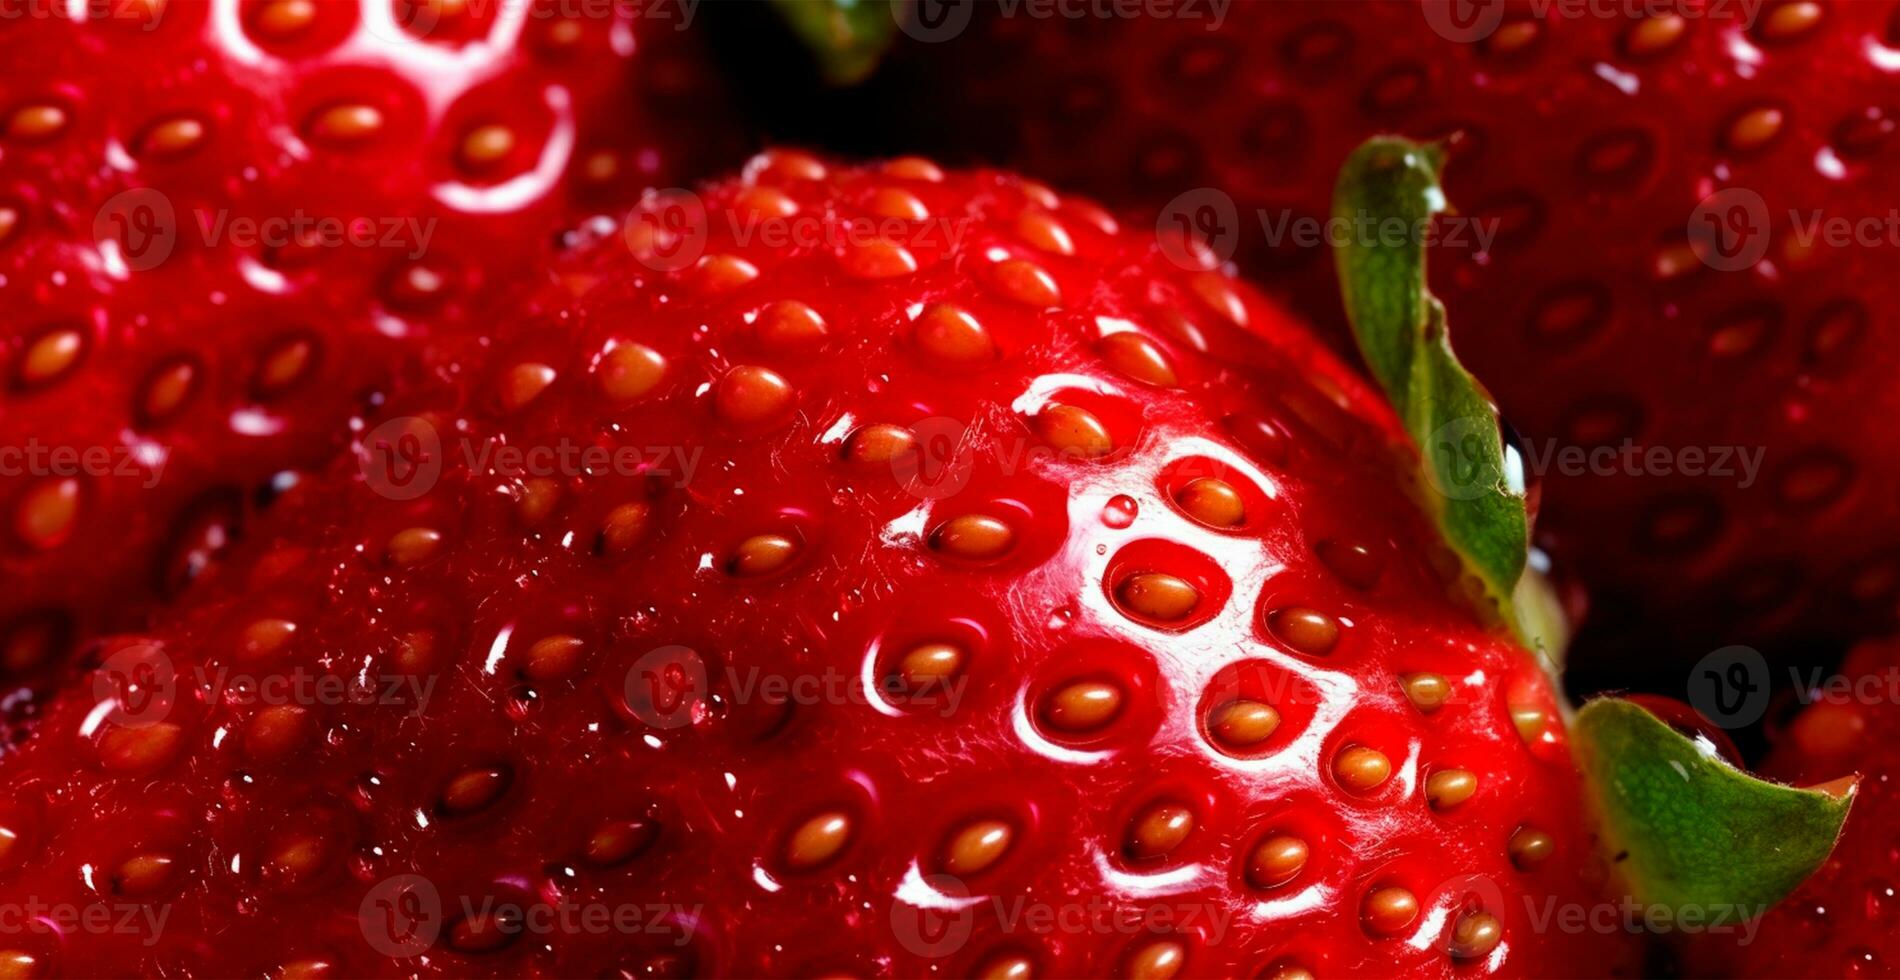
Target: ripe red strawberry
{"type": "Point", "coordinates": [878, 571]}
{"type": "Point", "coordinates": [1841, 922]}
{"type": "Point", "coordinates": [1592, 138]}
{"type": "Point", "coordinates": [220, 225]}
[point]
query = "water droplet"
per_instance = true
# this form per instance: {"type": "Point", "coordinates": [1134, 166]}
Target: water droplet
{"type": "Point", "coordinates": [1120, 511]}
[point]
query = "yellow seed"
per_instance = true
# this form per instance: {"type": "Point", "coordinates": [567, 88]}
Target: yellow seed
{"type": "Point", "coordinates": [1158, 830]}
{"type": "Point", "coordinates": [976, 847]}
{"type": "Point", "coordinates": [1242, 724]}
{"type": "Point", "coordinates": [973, 537]}
{"type": "Point", "coordinates": [1360, 769]}
{"type": "Point", "coordinates": [818, 840]}
{"type": "Point", "coordinates": [1212, 502]}
{"type": "Point", "coordinates": [1448, 788]}
{"type": "Point", "coordinates": [1427, 692]}
{"type": "Point", "coordinates": [1276, 861]}
{"type": "Point", "coordinates": [1389, 910]}
{"type": "Point", "coordinates": [1158, 596]}
{"type": "Point", "coordinates": [1083, 706]}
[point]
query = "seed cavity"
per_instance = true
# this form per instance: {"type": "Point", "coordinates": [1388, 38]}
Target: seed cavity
{"type": "Point", "coordinates": [1074, 432]}
{"type": "Point", "coordinates": [1447, 788]}
{"type": "Point", "coordinates": [973, 537]}
{"type": "Point", "coordinates": [1158, 597]}
{"type": "Point", "coordinates": [1389, 911]}
{"type": "Point", "coordinates": [1213, 502]}
{"type": "Point", "coordinates": [1361, 769]}
{"type": "Point", "coordinates": [1276, 860]}
{"type": "Point", "coordinates": [976, 847]}
{"type": "Point", "coordinates": [1242, 724]}
{"type": "Point", "coordinates": [1307, 631]}
{"type": "Point", "coordinates": [818, 840]}
{"type": "Point", "coordinates": [1082, 707]}
{"type": "Point", "coordinates": [1158, 830]}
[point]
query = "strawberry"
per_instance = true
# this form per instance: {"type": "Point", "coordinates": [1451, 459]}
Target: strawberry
{"type": "Point", "coordinates": [1743, 471]}
{"type": "Point", "coordinates": [873, 570]}
{"type": "Point", "coordinates": [222, 224]}
{"type": "Point", "coordinates": [1840, 922]}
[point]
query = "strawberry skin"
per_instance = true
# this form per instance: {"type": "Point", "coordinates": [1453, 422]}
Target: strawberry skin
{"type": "Point", "coordinates": [955, 587]}
{"type": "Point", "coordinates": [1591, 139]}
{"type": "Point", "coordinates": [1840, 922]}
{"type": "Point", "coordinates": [221, 225]}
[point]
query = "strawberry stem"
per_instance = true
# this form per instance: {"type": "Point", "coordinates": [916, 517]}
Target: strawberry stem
{"type": "Point", "coordinates": [1387, 198]}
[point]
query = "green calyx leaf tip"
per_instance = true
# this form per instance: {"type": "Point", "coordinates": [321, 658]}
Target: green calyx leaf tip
{"type": "Point", "coordinates": [1686, 830]}
{"type": "Point", "coordinates": [848, 37]}
{"type": "Point", "coordinates": [1386, 199]}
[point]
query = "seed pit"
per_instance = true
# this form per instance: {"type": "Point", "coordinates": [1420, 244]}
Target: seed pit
{"type": "Point", "coordinates": [1165, 585]}
{"type": "Point", "coordinates": [1254, 708]}
{"type": "Point", "coordinates": [1214, 494]}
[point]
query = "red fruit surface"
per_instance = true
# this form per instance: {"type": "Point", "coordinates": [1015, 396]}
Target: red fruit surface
{"type": "Point", "coordinates": [221, 224]}
{"type": "Point", "coordinates": [1841, 923]}
{"type": "Point", "coordinates": [952, 585]}
{"type": "Point", "coordinates": [1591, 135]}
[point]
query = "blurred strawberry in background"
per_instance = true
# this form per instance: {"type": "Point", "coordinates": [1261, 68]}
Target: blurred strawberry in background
{"type": "Point", "coordinates": [223, 223]}
{"type": "Point", "coordinates": [1675, 252]}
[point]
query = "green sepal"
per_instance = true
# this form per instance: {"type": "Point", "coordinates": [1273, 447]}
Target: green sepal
{"type": "Point", "coordinates": [848, 37]}
{"type": "Point", "coordinates": [1384, 203]}
{"type": "Point", "coordinates": [1685, 829]}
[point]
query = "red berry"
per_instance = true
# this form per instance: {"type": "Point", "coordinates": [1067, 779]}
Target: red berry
{"type": "Point", "coordinates": [1712, 430]}
{"type": "Point", "coordinates": [851, 664]}
{"type": "Point", "coordinates": [221, 227]}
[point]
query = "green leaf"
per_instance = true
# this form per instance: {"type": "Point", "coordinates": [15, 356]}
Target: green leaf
{"type": "Point", "coordinates": [1688, 830]}
{"type": "Point", "coordinates": [848, 37]}
{"type": "Point", "coordinates": [1384, 203]}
